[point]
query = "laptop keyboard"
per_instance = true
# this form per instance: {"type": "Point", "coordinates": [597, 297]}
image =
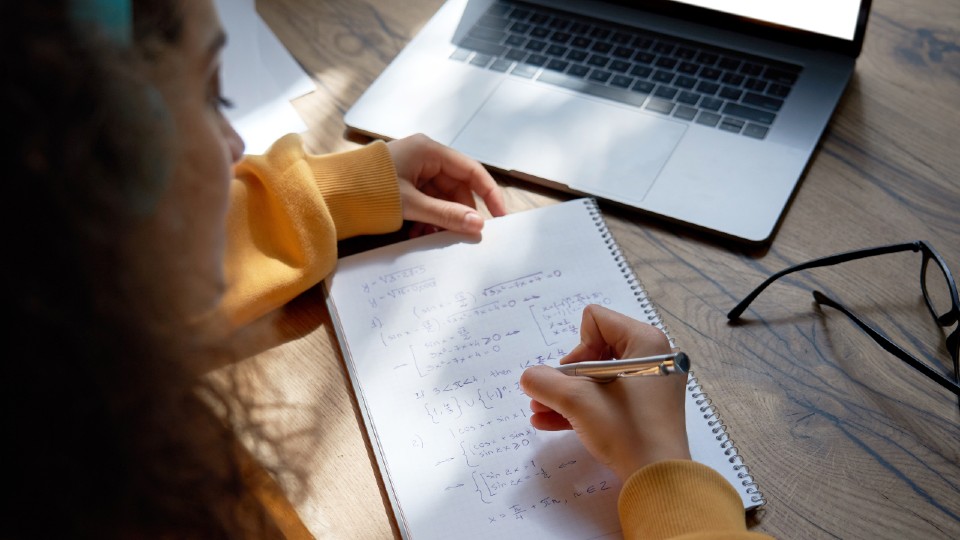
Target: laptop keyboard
{"type": "Point", "coordinates": [683, 79]}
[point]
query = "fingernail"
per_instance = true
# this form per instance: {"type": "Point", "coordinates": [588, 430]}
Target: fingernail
{"type": "Point", "coordinates": [472, 220]}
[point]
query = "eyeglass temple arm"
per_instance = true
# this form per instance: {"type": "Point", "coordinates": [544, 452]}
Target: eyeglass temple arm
{"type": "Point", "coordinates": [823, 261]}
{"type": "Point", "coordinates": [888, 345]}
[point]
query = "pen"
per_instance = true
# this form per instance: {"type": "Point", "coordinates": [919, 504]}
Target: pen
{"type": "Point", "coordinates": [607, 370]}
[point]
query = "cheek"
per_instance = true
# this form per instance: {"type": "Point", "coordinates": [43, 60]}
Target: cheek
{"type": "Point", "coordinates": [196, 211]}
{"type": "Point", "coordinates": [208, 171]}
{"type": "Point", "coordinates": [205, 173]}
{"type": "Point", "coordinates": [208, 149]}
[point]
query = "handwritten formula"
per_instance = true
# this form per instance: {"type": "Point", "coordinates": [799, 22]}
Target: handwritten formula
{"type": "Point", "coordinates": [438, 333]}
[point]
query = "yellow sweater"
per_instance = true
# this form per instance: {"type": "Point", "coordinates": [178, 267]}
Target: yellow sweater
{"type": "Point", "coordinates": [681, 500]}
{"type": "Point", "coordinates": [287, 211]}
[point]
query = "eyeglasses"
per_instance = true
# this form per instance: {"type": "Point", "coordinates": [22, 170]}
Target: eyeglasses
{"type": "Point", "coordinates": [943, 304]}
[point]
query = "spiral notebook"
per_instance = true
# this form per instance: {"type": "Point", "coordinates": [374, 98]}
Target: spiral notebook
{"type": "Point", "coordinates": [435, 332]}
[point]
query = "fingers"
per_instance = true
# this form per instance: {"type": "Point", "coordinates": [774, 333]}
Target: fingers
{"type": "Point", "coordinates": [422, 229]}
{"type": "Point", "coordinates": [457, 172]}
{"type": "Point", "coordinates": [550, 421]}
{"type": "Point", "coordinates": [546, 418]}
{"type": "Point", "coordinates": [551, 391]}
{"type": "Point", "coordinates": [606, 334]}
{"type": "Point", "coordinates": [438, 185]}
{"type": "Point", "coordinates": [445, 214]}
{"type": "Point", "coordinates": [538, 407]}
{"type": "Point", "coordinates": [627, 423]}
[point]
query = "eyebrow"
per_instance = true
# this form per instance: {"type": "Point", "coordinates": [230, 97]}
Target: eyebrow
{"type": "Point", "coordinates": [218, 42]}
{"type": "Point", "coordinates": [213, 50]}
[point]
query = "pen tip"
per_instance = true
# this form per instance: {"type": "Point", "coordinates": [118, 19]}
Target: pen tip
{"type": "Point", "coordinates": [682, 362]}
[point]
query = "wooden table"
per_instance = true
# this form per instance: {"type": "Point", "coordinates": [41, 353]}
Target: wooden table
{"type": "Point", "coordinates": [843, 439]}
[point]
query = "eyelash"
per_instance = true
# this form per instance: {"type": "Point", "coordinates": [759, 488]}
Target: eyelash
{"type": "Point", "coordinates": [224, 103]}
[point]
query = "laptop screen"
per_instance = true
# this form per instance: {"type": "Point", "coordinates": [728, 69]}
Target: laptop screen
{"type": "Point", "coordinates": [837, 25]}
{"type": "Point", "coordinates": [834, 18]}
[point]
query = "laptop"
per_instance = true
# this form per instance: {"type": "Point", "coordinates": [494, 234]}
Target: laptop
{"type": "Point", "coordinates": [700, 112]}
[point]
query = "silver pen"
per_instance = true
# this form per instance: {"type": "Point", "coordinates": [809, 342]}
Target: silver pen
{"type": "Point", "coordinates": [608, 370]}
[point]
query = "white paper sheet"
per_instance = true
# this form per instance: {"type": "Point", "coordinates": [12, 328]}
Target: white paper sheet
{"type": "Point", "coordinates": [260, 77]}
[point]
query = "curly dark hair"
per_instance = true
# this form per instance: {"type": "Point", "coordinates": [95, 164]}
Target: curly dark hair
{"type": "Point", "coordinates": [109, 434]}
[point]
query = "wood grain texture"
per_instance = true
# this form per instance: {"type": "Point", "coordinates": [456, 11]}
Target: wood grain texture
{"type": "Point", "coordinates": [844, 440]}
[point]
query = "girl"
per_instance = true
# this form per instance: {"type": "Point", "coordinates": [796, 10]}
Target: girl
{"type": "Point", "coordinates": [141, 239]}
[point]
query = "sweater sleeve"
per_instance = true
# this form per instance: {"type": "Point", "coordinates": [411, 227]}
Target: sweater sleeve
{"type": "Point", "coordinates": [287, 211]}
{"type": "Point", "coordinates": [682, 499]}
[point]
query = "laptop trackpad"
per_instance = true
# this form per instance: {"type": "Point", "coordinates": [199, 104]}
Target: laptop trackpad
{"type": "Point", "coordinates": [592, 145]}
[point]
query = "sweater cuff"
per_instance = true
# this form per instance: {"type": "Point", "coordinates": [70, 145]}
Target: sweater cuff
{"type": "Point", "coordinates": [677, 497]}
{"type": "Point", "coordinates": [361, 190]}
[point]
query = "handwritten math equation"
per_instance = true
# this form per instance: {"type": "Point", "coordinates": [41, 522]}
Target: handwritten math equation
{"type": "Point", "coordinates": [457, 351]}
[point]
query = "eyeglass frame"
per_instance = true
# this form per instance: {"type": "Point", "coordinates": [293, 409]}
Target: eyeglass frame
{"type": "Point", "coordinates": [944, 320]}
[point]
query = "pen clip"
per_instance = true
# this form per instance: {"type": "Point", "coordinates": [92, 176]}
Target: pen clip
{"type": "Point", "coordinates": [663, 368]}
{"type": "Point", "coordinates": [611, 370]}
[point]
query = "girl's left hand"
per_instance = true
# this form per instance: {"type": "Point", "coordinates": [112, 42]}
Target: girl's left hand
{"type": "Point", "coordinates": [437, 186]}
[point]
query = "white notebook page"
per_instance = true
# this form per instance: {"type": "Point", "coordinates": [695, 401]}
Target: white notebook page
{"type": "Point", "coordinates": [436, 332]}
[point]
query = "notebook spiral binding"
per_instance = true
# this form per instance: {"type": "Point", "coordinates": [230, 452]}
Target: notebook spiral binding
{"type": "Point", "coordinates": [649, 309]}
{"type": "Point", "coordinates": [720, 431]}
{"type": "Point", "coordinates": [707, 408]}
